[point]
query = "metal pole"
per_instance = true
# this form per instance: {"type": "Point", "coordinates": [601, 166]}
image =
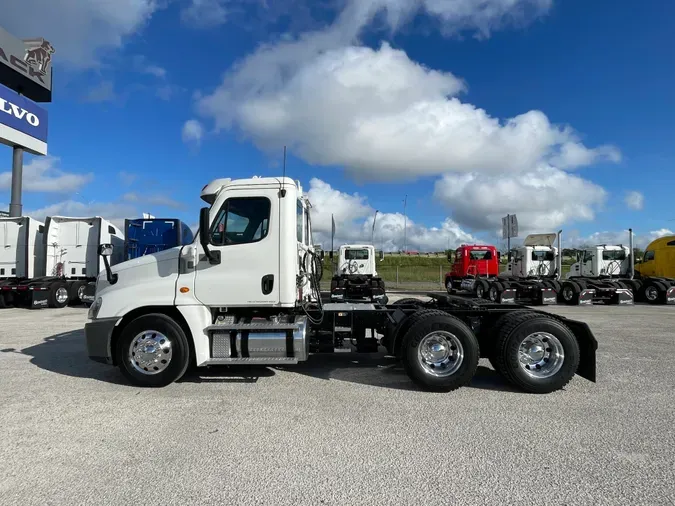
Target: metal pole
{"type": "Point", "coordinates": [405, 226]}
{"type": "Point", "coordinates": [508, 235]}
{"type": "Point", "coordinates": [632, 254]}
{"type": "Point", "coordinates": [372, 233]}
{"type": "Point", "coordinates": [15, 209]}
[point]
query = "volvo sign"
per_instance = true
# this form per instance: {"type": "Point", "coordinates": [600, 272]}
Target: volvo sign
{"type": "Point", "coordinates": [25, 66]}
{"type": "Point", "coordinates": [22, 122]}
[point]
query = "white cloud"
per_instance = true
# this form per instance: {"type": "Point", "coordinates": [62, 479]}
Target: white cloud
{"type": "Point", "coordinates": [381, 115]}
{"type": "Point", "coordinates": [114, 212]}
{"type": "Point", "coordinates": [542, 199]}
{"type": "Point", "coordinates": [192, 131]}
{"type": "Point", "coordinates": [205, 13]}
{"type": "Point", "coordinates": [142, 65]}
{"type": "Point", "coordinates": [640, 239]}
{"type": "Point", "coordinates": [153, 200]}
{"type": "Point", "coordinates": [42, 175]}
{"type": "Point", "coordinates": [635, 200]}
{"type": "Point", "coordinates": [354, 221]}
{"type": "Point", "coordinates": [127, 177]}
{"type": "Point", "coordinates": [89, 27]}
{"type": "Point", "coordinates": [102, 92]}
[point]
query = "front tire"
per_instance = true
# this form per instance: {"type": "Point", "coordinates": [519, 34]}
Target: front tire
{"type": "Point", "coordinates": [440, 352]}
{"type": "Point", "coordinates": [535, 352]}
{"type": "Point", "coordinates": [153, 351]}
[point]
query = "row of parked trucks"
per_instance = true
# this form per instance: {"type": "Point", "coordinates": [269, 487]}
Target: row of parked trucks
{"type": "Point", "coordinates": [601, 274]}
{"type": "Point", "coordinates": [54, 263]}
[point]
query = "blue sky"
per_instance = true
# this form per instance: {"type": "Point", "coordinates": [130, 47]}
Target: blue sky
{"type": "Point", "coordinates": [155, 100]}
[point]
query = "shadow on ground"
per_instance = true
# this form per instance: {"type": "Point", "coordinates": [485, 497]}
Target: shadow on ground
{"type": "Point", "coordinates": [65, 354]}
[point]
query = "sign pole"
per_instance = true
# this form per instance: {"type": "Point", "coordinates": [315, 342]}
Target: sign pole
{"type": "Point", "coordinates": [508, 236]}
{"type": "Point", "coordinates": [15, 209]}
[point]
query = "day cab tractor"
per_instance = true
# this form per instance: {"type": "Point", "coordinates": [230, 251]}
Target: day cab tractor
{"type": "Point", "coordinates": [607, 273]}
{"type": "Point", "coordinates": [242, 293]}
{"type": "Point", "coordinates": [472, 267]}
{"type": "Point", "coordinates": [532, 272]}
{"type": "Point", "coordinates": [356, 276]}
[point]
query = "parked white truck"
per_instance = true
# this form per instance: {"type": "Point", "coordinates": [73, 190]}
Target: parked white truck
{"type": "Point", "coordinates": [65, 253]}
{"type": "Point", "coordinates": [22, 254]}
{"type": "Point", "coordinates": [242, 293]}
{"type": "Point", "coordinates": [356, 276]}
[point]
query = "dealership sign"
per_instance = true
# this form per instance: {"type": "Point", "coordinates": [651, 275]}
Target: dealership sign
{"type": "Point", "coordinates": [22, 122]}
{"type": "Point", "coordinates": [25, 66]}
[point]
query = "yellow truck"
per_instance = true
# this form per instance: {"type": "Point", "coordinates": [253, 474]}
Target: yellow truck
{"type": "Point", "coordinates": [656, 270]}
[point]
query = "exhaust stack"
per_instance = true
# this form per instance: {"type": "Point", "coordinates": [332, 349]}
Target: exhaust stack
{"type": "Point", "coordinates": [560, 254]}
{"type": "Point", "coordinates": [631, 274]}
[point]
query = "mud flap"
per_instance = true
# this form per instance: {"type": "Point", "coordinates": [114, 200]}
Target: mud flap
{"type": "Point", "coordinates": [38, 299]}
{"type": "Point", "coordinates": [586, 297]}
{"type": "Point", "coordinates": [670, 295]}
{"type": "Point", "coordinates": [508, 296]}
{"type": "Point", "coordinates": [547, 296]}
{"type": "Point", "coordinates": [623, 297]}
{"type": "Point", "coordinates": [588, 345]}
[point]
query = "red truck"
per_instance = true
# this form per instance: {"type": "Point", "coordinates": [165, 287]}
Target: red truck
{"type": "Point", "coordinates": [473, 265]}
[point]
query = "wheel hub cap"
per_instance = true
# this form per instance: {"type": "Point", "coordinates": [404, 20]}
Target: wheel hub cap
{"type": "Point", "coordinates": [150, 352]}
{"type": "Point", "coordinates": [440, 353]}
{"type": "Point", "coordinates": [61, 295]}
{"type": "Point", "coordinates": [567, 293]}
{"type": "Point", "coordinates": [651, 293]}
{"type": "Point", "coordinates": [541, 355]}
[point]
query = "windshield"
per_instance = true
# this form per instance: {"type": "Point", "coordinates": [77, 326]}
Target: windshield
{"type": "Point", "coordinates": [356, 254]}
{"type": "Point", "coordinates": [542, 256]}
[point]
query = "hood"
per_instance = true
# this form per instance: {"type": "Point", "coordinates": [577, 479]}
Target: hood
{"type": "Point", "coordinates": [163, 263]}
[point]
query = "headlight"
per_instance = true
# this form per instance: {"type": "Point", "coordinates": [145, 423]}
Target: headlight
{"type": "Point", "coordinates": [95, 308]}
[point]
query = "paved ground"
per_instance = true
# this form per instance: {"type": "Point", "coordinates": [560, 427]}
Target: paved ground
{"type": "Point", "coordinates": [337, 430]}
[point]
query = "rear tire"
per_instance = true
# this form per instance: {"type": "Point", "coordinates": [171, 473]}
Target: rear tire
{"type": "Point", "coordinates": [569, 293]}
{"type": "Point", "coordinates": [76, 291]}
{"type": "Point", "coordinates": [152, 351]}
{"type": "Point", "coordinates": [653, 292]}
{"type": "Point", "coordinates": [535, 352]}
{"type": "Point", "coordinates": [58, 295]}
{"type": "Point", "coordinates": [440, 352]}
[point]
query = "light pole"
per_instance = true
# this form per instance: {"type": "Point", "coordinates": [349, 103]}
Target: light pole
{"type": "Point", "coordinates": [405, 226]}
{"type": "Point", "coordinates": [372, 233]}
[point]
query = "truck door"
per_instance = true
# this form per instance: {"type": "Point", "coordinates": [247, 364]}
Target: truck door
{"type": "Point", "coordinates": [248, 272]}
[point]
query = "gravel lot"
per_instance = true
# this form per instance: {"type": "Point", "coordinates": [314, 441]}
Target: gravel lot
{"type": "Point", "coordinates": [339, 429]}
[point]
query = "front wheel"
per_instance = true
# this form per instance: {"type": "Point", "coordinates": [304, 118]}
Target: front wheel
{"type": "Point", "coordinates": [153, 351]}
{"type": "Point", "coordinates": [535, 352]}
{"type": "Point", "coordinates": [440, 352]}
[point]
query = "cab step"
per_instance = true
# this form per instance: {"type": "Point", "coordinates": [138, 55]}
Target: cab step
{"type": "Point", "coordinates": [251, 361]}
{"type": "Point", "coordinates": [252, 326]}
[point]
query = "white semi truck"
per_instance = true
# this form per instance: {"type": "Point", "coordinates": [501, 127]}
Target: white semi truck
{"type": "Point", "coordinates": [356, 276]}
{"type": "Point", "coordinates": [606, 272]}
{"type": "Point", "coordinates": [246, 291]}
{"type": "Point", "coordinates": [532, 274]}
{"type": "Point", "coordinates": [65, 258]}
{"type": "Point", "coordinates": [22, 254]}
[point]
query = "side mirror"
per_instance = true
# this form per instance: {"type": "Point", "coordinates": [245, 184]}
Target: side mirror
{"type": "Point", "coordinates": [204, 225]}
{"type": "Point", "coordinates": [105, 250]}
{"type": "Point", "coordinates": [381, 255]}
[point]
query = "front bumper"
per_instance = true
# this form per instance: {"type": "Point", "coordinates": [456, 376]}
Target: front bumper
{"type": "Point", "coordinates": [98, 335]}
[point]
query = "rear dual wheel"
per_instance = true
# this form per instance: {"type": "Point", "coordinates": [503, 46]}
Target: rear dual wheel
{"type": "Point", "coordinates": [535, 352]}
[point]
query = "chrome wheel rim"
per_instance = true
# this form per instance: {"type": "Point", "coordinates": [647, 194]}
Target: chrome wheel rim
{"type": "Point", "coordinates": [150, 352]}
{"type": "Point", "coordinates": [61, 295]}
{"type": "Point", "coordinates": [651, 293]}
{"type": "Point", "coordinates": [440, 353]}
{"type": "Point", "coordinates": [80, 292]}
{"type": "Point", "coordinates": [541, 355]}
{"type": "Point", "coordinates": [567, 293]}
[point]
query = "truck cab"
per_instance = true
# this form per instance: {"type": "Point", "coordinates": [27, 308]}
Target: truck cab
{"type": "Point", "coordinates": [356, 259]}
{"type": "Point", "coordinates": [536, 258]}
{"type": "Point", "coordinates": [471, 261]}
{"type": "Point", "coordinates": [601, 261]}
{"type": "Point", "coordinates": [659, 258]}
{"type": "Point", "coordinates": [356, 278]}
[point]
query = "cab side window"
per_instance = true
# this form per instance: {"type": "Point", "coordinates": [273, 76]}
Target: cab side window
{"type": "Point", "coordinates": [649, 255]}
{"type": "Point", "coordinates": [241, 220]}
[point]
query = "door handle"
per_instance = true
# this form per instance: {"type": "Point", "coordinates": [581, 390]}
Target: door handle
{"type": "Point", "coordinates": [267, 284]}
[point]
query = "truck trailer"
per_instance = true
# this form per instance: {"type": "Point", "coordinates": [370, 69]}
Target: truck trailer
{"type": "Point", "coordinates": [22, 256]}
{"type": "Point", "coordinates": [356, 278]}
{"type": "Point", "coordinates": [607, 273]}
{"type": "Point", "coordinates": [70, 261]}
{"type": "Point", "coordinates": [240, 294]}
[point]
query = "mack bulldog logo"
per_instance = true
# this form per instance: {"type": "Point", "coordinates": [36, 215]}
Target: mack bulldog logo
{"type": "Point", "coordinates": [39, 57]}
